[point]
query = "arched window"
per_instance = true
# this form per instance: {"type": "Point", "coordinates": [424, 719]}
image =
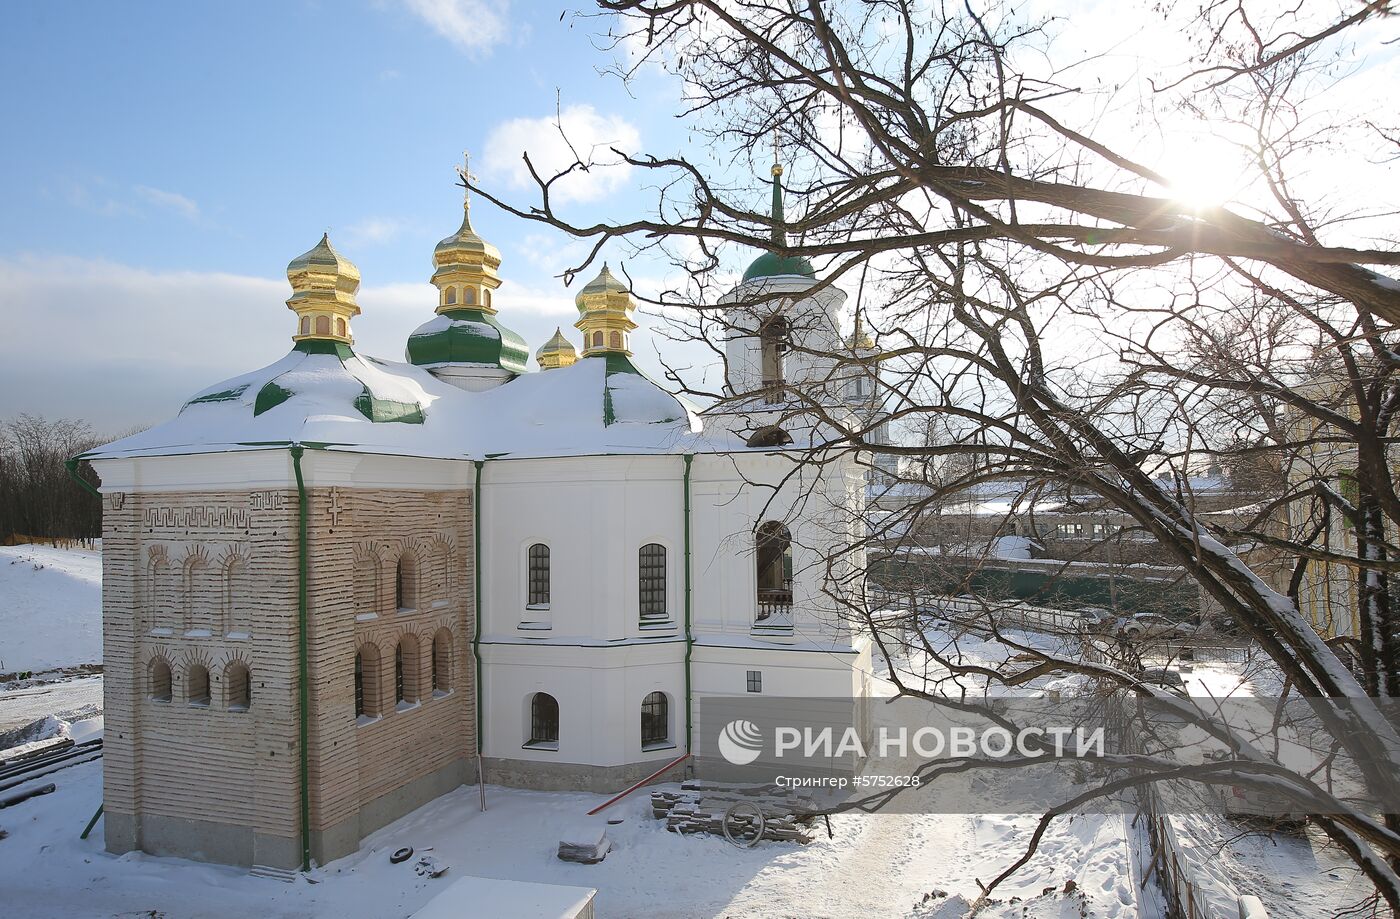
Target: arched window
{"type": "Point", "coordinates": [160, 680]}
{"type": "Point", "coordinates": [615, 341]}
{"type": "Point", "coordinates": [359, 685]}
{"type": "Point", "coordinates": [366, 579]}
{"type": "Point", "coordinates": [235, 596]}
{"type": "Point", "coordinates": [306, 325]}
{"type": "Point", "coordinates": [656, 721]}
{"type": "Point", "coordinates": [323, 325]}
{"type": "Point", "coordinates": [406, 582]}
{"type": "Point", "coordinates": [598, 339]}
{"type": "Point", "coordinates": [544, 720]}
{"type": "Point", "coordinates": [237, 687]}
{"type": "Point", "coordinates": [442, 661]}
{"type": "Point", "coordinates": [651, 581]}
{"type": "Point", "coordinates": [451, 295]}
{"type": "Point", "coordinates": [340, 326]}
{"type": "Point", "coordinates": [774, 569]}
{"type": "Point", "coordinates": [197, 685]}
{"type": "Point", "coordinates": [198, 596]}
{"type": "Point", "coordinates": [538, 596]}
{"type": "Point", "coordinates": [367, 697]}
{"type": "Point", "coordinates": [406, 671]}
{"type": "Point", "coordinates": [469, 296]}
{"type": "Point", "coordinates": [773, 338]}
{"type": "Point", "coordinates": [486, 297]}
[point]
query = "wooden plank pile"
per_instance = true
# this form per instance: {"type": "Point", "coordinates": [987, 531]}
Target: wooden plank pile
{"type": "Point", "coordinates": [699, 807]}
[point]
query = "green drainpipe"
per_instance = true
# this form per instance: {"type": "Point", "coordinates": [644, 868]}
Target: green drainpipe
{"type": "Point", "coordinates": [303, 689]}
{"type": "Point", "coordinates": [689, 638]}
{"type": "Point", "coordinates": [476, 625]}
{"type": "Point", "coordinates": [72, 466]}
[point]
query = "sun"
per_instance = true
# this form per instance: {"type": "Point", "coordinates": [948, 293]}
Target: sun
{"type": "Point", "coordinates": [1202, 170]}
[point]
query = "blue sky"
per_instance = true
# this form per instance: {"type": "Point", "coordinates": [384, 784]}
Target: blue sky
{"type": "Point", "coordinates": [164, 159]}
{"type": "Point", "coordinates": [163, 162]}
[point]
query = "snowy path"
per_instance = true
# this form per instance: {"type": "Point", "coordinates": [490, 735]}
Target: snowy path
{"type": "Point", "coordinates": [19, 707]}
{"type": "Point", "coordinates": [876, 866]}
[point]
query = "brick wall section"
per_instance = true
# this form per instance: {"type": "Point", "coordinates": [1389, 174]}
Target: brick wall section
{"type": "Point", "coordinates": [206, 579]}
{"type": "Point", "coordinates": [353, 762]}
{"type": "Point", "coordinates": [201, 762]}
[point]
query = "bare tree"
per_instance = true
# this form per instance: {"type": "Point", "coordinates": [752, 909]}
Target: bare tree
{"type": "Point", "coordinates": [1044, 304]}
{"type": "Point", "coordinates": [38, 498]}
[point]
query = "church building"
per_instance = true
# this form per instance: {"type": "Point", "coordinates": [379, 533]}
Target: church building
{"type": "Point", "coordinates": [337, 587]}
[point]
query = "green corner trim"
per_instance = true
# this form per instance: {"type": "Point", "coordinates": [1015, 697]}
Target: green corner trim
{"type": "Point", "coordinates": [270, 396]}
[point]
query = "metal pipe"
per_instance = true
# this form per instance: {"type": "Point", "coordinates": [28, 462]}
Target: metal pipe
{"type": "Point", "coordinates": [303, 689]}
{"type": "Point", "coordinates": [689, 638]}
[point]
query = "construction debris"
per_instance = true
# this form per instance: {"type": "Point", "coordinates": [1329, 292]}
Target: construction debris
{"type": "Point", "coordinates": [586, 843]}
{"type": "Point", "coordinates": [699, 807]}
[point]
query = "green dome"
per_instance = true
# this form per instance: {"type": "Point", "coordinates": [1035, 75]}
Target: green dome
{"type": "Point", "coordinates": [770, 265]}
{"type": "Point", "coordinates": [467, 336]}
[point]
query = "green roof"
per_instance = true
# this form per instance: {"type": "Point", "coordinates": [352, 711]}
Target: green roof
{"type": "Point", "coordinates": [770, 264]}
{"type": "Point", "coordinates": [467, 336]}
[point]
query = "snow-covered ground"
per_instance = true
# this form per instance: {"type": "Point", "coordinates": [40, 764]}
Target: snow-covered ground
{"type": "Point", "coordinates": [874, 866]}
{"type": "Point", "coordinates": [914, 865]}
{"type": "Point", "coordinates": [50, 608]}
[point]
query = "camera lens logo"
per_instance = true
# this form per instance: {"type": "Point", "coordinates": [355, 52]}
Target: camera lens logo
{"type": "Point", "coordinates": [740, 742]}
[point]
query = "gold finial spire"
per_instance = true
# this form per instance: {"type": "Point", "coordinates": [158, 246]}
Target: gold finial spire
{"type": "Point", "coordinates": [777, 169]}
{"type": "Point", "coordinates": [464, 172]}
{"type": "Point", "coordinates": [324, 284]}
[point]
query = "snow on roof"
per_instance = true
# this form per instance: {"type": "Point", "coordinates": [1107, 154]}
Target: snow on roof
{"type": "Point", "coordinates": [596, 406]}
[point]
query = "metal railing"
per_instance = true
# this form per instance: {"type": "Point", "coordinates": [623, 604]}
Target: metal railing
{"type": "Point", "coordinates": [774, 608]}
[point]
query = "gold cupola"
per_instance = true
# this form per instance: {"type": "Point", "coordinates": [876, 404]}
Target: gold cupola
{"type": "Point", "coordinates": [466, 267]}
{"type": "Point", "coordinates": [557, 352]}
{"type": "Point", "coordinates": [605, 315]}
{"type": "Point", "coordinates": [324, 283]}
{"type": "Point", "coordinates": [860, 340]}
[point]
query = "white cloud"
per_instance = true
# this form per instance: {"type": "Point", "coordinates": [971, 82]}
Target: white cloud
{"type": "Point", "coordinates": [474, 25]}
{"type": "Point", "coordinates": [374, 230]}
{"type": "Point", "coordinates": [580, 134]}
{"type": "Point", "coordinates": [169, 200]}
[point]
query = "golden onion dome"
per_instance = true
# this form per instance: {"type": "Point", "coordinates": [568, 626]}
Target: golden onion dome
{"type": "Point", "coordinates": [557, 352]}
{"type": "Point", "coordinates": [604, 283]}
{"type": "Point", "coordinates": [323, 268]}
{"type": "Point", "coordinates": [859, 339]}
{"type": "Point", "coordinates": [465, 244]}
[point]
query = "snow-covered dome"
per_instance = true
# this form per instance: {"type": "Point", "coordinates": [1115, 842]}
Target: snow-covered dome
{"type": "Point", "coordinates": [470, 337]}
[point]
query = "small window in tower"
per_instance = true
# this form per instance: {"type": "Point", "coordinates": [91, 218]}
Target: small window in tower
{"type": "Point", "coordinates": [538, 595]}
{"type": "Point", "coordinates": [597, 339]}
{"type": "Point", "coordinates": [340, 326]}
{"type": "Point", "coordinates": [486, 297]}
{"type": "Point", "coordinates": [323, 325]}
{"type": "Point", "coordinates": [160, 680]}
{"type": "Point", "coordinates": [197, 686]}
{"type": "Point", "coordinates": [469, 296]}
{"type": "Point", "coordinates": [306, 325]}
{"type": "Point", "coordinates": [615, 341]}
{"type": "Point", "coordinates": [237, 682]}
{"type": "Point", "coordinates": [451, 295]}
